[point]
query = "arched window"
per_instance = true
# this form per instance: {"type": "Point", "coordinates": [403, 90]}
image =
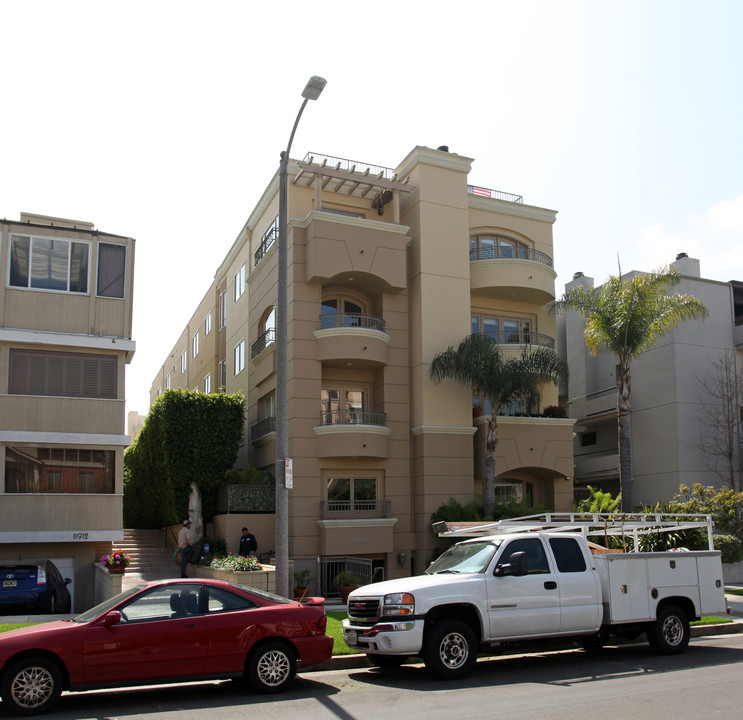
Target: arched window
{"type": "Point", "coordinates": [340, 309]}
{"type": "Point", "coordinates": [266, 333]}
{"type": "Point", "coordinates": [490, 246]}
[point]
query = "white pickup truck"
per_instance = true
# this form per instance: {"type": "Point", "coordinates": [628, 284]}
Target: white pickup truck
{"type": "Point", "coordinates": [534, 578]}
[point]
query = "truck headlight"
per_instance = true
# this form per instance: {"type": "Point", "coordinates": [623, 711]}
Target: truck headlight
{"type": "Point", "coordinates": [398, 604]}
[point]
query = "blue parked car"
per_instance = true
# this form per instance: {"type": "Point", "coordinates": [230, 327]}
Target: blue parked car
{"type": "Point", "coordinates": [36, 585]}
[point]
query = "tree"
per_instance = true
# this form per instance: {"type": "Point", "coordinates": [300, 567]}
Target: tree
{"type": "Point", "coordinates": [628, 315]}
{"type": "Point", "coordinates": [479, 363]}
{"type": "Point", "coordinates": [721, 389]}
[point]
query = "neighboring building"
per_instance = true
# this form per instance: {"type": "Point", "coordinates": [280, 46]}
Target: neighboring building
{"type": "Point", "coordinates": [65, 339]}
{"type": "Point", "coordinates": [386, 269]}
{"type": "Point", "coordinates": [680, 429]}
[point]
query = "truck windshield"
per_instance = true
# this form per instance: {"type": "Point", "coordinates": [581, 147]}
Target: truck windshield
{"type": "Point", "coordinates": [470, 557]}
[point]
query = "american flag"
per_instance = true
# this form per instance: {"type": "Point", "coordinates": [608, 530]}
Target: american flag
{"type": "Point", "coordinates": [474, 190]}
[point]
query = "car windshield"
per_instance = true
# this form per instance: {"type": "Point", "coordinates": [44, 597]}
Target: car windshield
{"type": "Point", "coordinates": [106, 605]}
{"type": "Point", "coordinates": [468, 557]}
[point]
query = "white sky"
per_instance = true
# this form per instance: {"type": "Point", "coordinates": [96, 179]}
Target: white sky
{"type": "Point", "coordinates": [164, 121]}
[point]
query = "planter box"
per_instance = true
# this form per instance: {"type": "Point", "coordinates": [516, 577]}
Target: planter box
{"type": "Point", "coordinates": [259, 579]}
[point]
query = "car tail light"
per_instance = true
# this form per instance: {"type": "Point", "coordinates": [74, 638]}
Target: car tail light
{"type": "Point", "coordinates": [40, 575]}
{"type": "Point", "coordinates": [322, 624]}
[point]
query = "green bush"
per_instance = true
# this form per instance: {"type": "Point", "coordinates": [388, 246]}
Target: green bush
{"type": "Point", "coordinates": [730, 547]}
{"type": "Point", "coordinates": [236, 563]}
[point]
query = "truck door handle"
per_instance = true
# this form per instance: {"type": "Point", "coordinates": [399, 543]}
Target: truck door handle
{"type": "Point", "coordinates": [550, 585]}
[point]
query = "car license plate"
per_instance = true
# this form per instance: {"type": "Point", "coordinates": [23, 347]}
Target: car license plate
{"type": "Point", "coordinates": [10, 583]}
{"type": "Point", "coordinates": [351, 637]}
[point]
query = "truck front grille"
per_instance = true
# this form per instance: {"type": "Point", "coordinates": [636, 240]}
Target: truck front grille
{"type": "Point", "coordinates": [363, 608]}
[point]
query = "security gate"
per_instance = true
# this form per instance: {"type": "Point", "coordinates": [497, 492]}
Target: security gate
{"type": "Point", "coordinates": [336, 572]}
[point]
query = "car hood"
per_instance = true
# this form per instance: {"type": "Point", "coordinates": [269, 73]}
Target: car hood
{"type": "Point", "coordinates": [411, 584]}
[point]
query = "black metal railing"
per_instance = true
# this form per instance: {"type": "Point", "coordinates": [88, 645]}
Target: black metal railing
{"type": "Point", "coordinates": [352, 417]}
{"type": "Point", "coordinates": [511, 253]}
{"type": "Point", "coordinates": [347, 320]}
{"type": "Point", "coordinates": [374, 508]}
{"type": "Point", "coordinates": [349, 165]}
{"type": "Point", "coordinates": [262, 428]}
{"type": "Point", "coordinates": [269, 238]}
{"type": "Point", "coordinates": [524, 337]}
{"type": "Point", "coordinates": [494, 194]}
{"type": "Point", "coordinates": [265, 339]}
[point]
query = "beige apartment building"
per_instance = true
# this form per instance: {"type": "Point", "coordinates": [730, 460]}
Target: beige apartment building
{"type": "Point", "coordinates": [65, 340]}
{"type": "Point", "coordinates": [387, 267]}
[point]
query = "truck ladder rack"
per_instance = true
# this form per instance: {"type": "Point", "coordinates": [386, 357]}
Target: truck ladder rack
{"type": "Point", "coordinates": [588, 524]}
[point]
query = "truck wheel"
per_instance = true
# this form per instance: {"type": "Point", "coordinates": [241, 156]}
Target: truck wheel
{"type": "Point", "coordinates": [669, 634]}
{"type": "Point", "coordinates": [593, 643]}
{"type": "Point", "coordinates": [385, 662]}
{"type": "Point", "coordinates": [449, 649]}
{"type": "Point", "coordinates": [31, 686]}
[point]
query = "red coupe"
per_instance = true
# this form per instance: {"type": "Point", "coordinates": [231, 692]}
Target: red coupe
{"type": "Point", "coordinates": [161, 632]}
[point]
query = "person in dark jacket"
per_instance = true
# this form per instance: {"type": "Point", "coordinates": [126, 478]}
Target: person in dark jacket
{"type": "Point", "coordinates": [248, 544]}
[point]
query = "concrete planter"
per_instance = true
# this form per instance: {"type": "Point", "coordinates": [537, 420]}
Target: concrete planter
{"type": "Point", "coordinates": [259, 579]}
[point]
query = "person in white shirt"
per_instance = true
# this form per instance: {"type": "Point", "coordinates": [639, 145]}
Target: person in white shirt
{"type": "Point", "coordinates": [189, 552]}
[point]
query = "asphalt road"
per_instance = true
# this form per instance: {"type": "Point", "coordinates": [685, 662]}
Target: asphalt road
{"type": "Point", "coordinates": [618, 682]}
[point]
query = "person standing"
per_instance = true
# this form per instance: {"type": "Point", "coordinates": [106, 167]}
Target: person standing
{"type": "Point", "coordinates": [189, 552]}
{"type": "Point", "coordinates": [248, 544]}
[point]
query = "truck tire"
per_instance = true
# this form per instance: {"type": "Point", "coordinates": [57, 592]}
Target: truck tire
{"type": "Point", "coordinates": [669, 634]}
{"type": "Point", "coordinates": [449, 649]}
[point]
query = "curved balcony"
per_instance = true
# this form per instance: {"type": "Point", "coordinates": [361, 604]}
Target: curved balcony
{"type": "Point", "coordinates": [352, 339]}
{"type": "Point", "coordinates": [526, 275]}
{"type": "Point", "coordinates": [522, 338]}
{"type": "Point", "coordinates": [352, 433]}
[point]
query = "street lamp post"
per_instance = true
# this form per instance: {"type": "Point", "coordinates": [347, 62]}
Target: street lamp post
{"type": "Point", "coordinates": [311, 91]}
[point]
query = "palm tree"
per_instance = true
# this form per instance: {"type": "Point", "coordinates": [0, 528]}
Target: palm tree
{"type": "Point", "coordinates": [628, 315]}
{"type": "Point", "coordinates": [479, 363]}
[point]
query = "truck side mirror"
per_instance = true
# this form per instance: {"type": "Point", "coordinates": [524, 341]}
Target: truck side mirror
{"type": "Point", "coordinates": [517, 565]}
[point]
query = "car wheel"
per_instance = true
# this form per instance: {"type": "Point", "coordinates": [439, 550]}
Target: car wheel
{"type": "Point", "coordinates": [669, 634]}
{"type": "Point", "coordinates": [272, 668]}
{"type": "Point", "coordinates": [386, 662]}
{"type": "Point", "coordinates": [31, 686]}
{"type": "Point", "coordinates": [449, 649]}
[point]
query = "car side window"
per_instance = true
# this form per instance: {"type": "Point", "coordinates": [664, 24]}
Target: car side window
{"type": "Point", "coordinates": [535, 555]}
{"type": "Point", "coordinates": [164, 602]}
{"type": "Point", "coordinates": [221, 600]}
{"type": "Point", "coordinates": [568, 555]}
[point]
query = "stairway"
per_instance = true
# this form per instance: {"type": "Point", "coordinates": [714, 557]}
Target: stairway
{"type": "Point", "coordinates": [152, 559]}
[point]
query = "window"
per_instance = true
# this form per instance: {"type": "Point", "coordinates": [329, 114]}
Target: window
{"type": "Point", "coordinates": [111, 270]}
{"type": "Point", "coordinates": [267, 406]}
{"type": "Point", "coordinates": [587, 439]}
{"type": "Point", "coordinates": [222, 375]}
{"type": "Point", "coordinates": [239, 355]}
{"type": "Point", "coordinates": [184, 362]}
{"type": "Point", "coordinates": [267, 333]}
{"type": "Point", "coordinates": [59, 470]}
{"type": "Point", "coordinates": [221, 600]}
{"type": "Point", "coordinates": [535, 555]}
{"type": "Point", "coordinates": [208, 323]}
{"type": "Point", "coordinates": [351, 493]}
{"type": "Point", "coordinates": [48, 264]}
{"type": "Point", "coordinates": [222, 310]}
{"type": "Point", "coordinates": [504, 330]}
{"type": "Point", "coordinates": [489, 247]}
{"type": "Point", "coordinates": [59, 374]}
{"type": "Point", "coordinates": [208, 383]}
{"type": "Point", "coordinates": [195, 344]}
{"type": "Point", "coordinates": [568, 555]}
{"type": "Point", "coordinates": [240, 282]}
{"type": "Point", "coordinates": [163, 603]}
{"type": "Point", "coordinates": [342, 405]}
{"type": "Point", "coordinates": [167, 382]}
{"type": "Point", "coordinates": [341, 311]}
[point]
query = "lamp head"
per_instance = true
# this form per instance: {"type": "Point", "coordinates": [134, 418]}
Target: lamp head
{"type": "Point", "coordinates": [314, 87]}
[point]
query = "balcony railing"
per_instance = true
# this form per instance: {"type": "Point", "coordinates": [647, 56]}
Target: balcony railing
{"type": "Point", "coordinates": [352, 417]}
{"type": "Point", "coordinates": [506, 337]}
{"type": "Point", "coordinates": [347, 320]}
{"type": "Point", "coordinates": [369, 508]}
{"type": "Point", "coordinates": [263, 342]}
{"type": "Point", "coordinates": [269, 238]}
{"type": "Point", "coordinates": [498, 253]}
{"type": "Point", "coordinates": [494, 194]}
{"type": "Point", "coordinates": [262, 428]}
{"type": "Point", "coordinates": [349, 165]}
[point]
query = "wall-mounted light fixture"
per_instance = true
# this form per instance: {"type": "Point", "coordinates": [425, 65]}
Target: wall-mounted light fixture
{"type": "Point", "coordinates": [402, 556]}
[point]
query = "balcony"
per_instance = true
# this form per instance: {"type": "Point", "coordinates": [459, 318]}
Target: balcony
{"type": "Point", "coordinates": [352, 433]}
{"type": "Point", "coordinates": [345, 338]}
{"type": "Point", "coordinates": [341, 509]}
{"type": "Point", "coordinates": [262, 428]}
{"type": "Point", "coordinates": [269, 238]}
{"type": "Point", "coordinates": [266, 339]}
{"type": "Point", "coordinates": [494, 194]}
{"type": "Point", "coordinates": [526, 275]}
{"type": "Point", "coordinates": [522, 338]}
